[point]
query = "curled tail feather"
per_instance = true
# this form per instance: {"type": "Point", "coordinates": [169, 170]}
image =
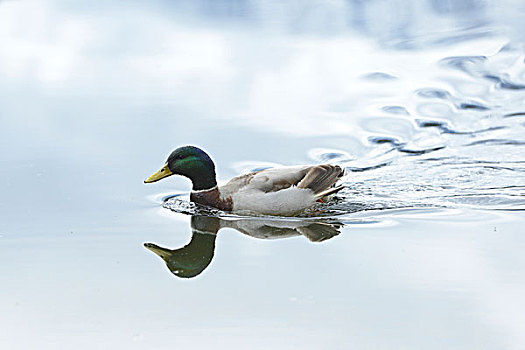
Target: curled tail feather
{"type": "Point", "coordinates": [330, 191]}
{"type": "Point", "coordinates": [321, 179]}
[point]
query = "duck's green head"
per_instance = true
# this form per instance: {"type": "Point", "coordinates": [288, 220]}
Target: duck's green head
{"type": "Point", "coordinates": [191, 162]}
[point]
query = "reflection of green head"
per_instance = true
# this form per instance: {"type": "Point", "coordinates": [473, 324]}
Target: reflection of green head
{"type": "Point", "coordinates": [190, 260]}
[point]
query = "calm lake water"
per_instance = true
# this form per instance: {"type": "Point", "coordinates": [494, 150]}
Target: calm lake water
{"type": "Point", "coordinates": [423, 103]}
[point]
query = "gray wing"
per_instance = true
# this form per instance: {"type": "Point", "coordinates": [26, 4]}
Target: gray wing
{"type": "Point", "coordinates": [318, 178]}
{"type": "Point", "coordinates": [268, 180]}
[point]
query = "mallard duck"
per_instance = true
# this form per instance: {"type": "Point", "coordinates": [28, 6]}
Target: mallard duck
{"type": "Point", "coordinates": [282, 191]}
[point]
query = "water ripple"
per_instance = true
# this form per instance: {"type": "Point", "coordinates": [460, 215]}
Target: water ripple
{"type": "Point", "coordinates": [515, 114]}
{"type": "Point", "coordinates": [379, 76]}
{"type": "Point", "coordinates": [395, 110]}
{"type": "Point", "coordinates": [446, 128]}
{"type": "Point", "coordinates": [433, 93]}
{"type": "Point", "coordinates": [497, 142]}
{"type": "Point", "coordinates": [458, 146]}
{"type": "Point", "coordinates": [467, 64]}
{"type": "Point", "coordinates": [473, 106]}
{"type": "Point", "coordinates": [504, 83]}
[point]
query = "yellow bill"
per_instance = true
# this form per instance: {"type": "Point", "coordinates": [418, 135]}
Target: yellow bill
{"type": "Point", "coordinates": [162, 173]}
{"type": "Point", "coordinates": [162, 252]}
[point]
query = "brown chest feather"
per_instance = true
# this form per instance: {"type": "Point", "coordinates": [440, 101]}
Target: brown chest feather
{"type": "Point", "coordinates": [212, 198]}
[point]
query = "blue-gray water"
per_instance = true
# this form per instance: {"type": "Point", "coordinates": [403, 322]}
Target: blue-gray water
{"type": "Point", "coordinates": [423, 103]}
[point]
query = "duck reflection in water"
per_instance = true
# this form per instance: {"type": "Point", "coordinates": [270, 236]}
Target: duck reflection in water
{"type": "Point", "coordinates": [190, 260]}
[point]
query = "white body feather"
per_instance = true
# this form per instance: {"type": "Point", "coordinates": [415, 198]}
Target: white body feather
{"type": "Point", "coordinates": [288, 201]}
{"type": "Point", "coordinates": [270, 192]}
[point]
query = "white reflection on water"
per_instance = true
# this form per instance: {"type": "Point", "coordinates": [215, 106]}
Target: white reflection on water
{"type": "Point", "coordinates": [421, 101]}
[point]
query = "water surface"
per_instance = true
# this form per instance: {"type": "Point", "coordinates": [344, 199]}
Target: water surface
{"type": "Point", "coordinates": [422, 104]}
